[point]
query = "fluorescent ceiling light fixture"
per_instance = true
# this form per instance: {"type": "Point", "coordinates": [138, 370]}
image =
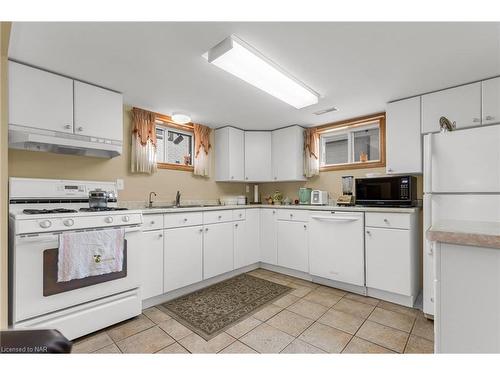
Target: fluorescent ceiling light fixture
{"type": "Point", "coordinates": [242, 60]}
{"type": "Point", "coordinates": [180, 118]}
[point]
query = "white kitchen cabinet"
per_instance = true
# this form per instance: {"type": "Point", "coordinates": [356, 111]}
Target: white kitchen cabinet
{"type": "Point", "coordinates": [218, 245]}
{"type": "Point", "coordinates": [460, 104]}
{"type": "Point", "coordinates": [403, 137]}
{"type": "Point", "coordinates": [292, 245]}
{"type": "Point", "coordinates": [258, 166]}
{"type": "Point", "coordinates": [183, 259]}
{"type": "Point", "coordinates": [393, 258]}
{"type": "Point", "coordinates": [98, 112]}
{"type": "Point", "coordinates": [288, 154]}
{"type": "Point", "coordinates": [151, 263]}
{"type": "Point", "coordinates": [229, 154]}
{"type": "Point", "coordinates": [246, 240]}
{"type": "Point", "coordinates": [39, 99]}
{"type": "Point", "coordinates": [388, 260]}
{"type": "Point", "coordinates": [336, 246]}
{"type": "Point", "coordinates": [490, 101]}
{"type": "Point", "coordinates": [268, 236]}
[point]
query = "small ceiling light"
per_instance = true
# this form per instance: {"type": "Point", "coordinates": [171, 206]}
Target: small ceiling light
{"type": "Point", "coordinates": [180, 118]}
{"type": "Point", "coordinates": [242, 60]}
{"type": "Point", "coordinates": [327, 110]}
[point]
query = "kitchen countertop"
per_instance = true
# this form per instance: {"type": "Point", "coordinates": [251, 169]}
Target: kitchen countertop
{"type": "Point", "coordinates": [160, 210]}
{"type": "Point", "coordinates": [462, 232]}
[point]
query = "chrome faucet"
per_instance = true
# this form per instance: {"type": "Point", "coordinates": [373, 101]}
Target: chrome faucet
{"type": "Point", "coordinates": [151, 199]}
{"type": "Point", "coordinates": [178, 199]}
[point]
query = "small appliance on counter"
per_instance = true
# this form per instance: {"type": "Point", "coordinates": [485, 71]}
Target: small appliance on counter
{"type": "Point", "coordinates": [346, 199]}
{"type": "Point", "coordinates": [319, 197]}
{"type": "Point", "coordinates": [390, 191]}
{"type": "Point", "coordinates": [305, 196]}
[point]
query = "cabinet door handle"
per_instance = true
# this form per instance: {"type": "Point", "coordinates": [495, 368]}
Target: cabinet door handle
{"type": "Point", "coordinates": [232, 177]}
{"type": "Point", "coordinates": [67, 127]}
{"type": "Point", "coordinates": [389, 169]}
{"type": "Point", "coordinates": [488, 118]}
{"type": "Point", "coordinates": [386, 221]}
{"type": "Point", "coordinates": [220, 217]}
{"type": "Point", "coordinates": [368, 232]}
{"type": "Point", "coordinates": [79, 129]}
{"type": "Point", "coordinates": [152, 222]}
{"type": "Point", "coordinates": [246, 178]}
{"type": "Point", "coordinates": [475, 119]}
{"type": "Point", "coordinates": [274, 212]}
{"type": "Point", "coordinates": [206, 229]}
{"type": "Point", "coordinates": [160, 235]}
{"type": "Point", "coordinates": [305, 226]}
{"type": "Point", "coordinates": [200, 230]}
{"type": "Point", "coordinates": [185, 219]}
{"type": "Point", "coordinates": [236, 225]}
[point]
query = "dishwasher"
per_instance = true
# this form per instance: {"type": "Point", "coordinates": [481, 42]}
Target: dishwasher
{"type": "Point", "coordinates": [336, 246]}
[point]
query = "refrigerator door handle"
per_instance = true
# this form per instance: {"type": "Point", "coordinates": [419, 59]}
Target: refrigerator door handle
{"type": "Point", "coordinates": [428, 163]}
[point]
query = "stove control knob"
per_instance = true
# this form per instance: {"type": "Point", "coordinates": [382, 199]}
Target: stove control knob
{"type": "Point", "coordinates": [45, 224]}
{"type": "Point", "coordinates": [69, 222]}
{"type": "Point", "coordinates": [126, 219]}
{"type": "Point", "coordinates": [108, 220]}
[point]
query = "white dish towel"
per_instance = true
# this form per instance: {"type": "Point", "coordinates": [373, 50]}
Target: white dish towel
{"type": "Point", "coordinates": [83, 254]}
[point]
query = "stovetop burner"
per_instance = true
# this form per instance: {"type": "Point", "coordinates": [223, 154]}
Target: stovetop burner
{"type": "Point", "coordinates": [48, 211]}
{"type": "Point", "coordinates": [98, 209]}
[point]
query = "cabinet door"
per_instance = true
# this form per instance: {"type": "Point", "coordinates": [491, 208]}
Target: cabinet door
{"type": "Point", "coordinates": [292, 245]}
{"type": "Point", "coordinates": [268, 236]}
{"type": "Point", "coordinates": [460, 104]}
{"type": "Point", "coordinates": [183, 260]}
{"type": "Point", "coordinates": [403, 137]}
{"type": "Point", "coordinates": [246, 240]}
{"type": "Point", "coordinates": [98, 112]}
{"type": "Point", "coordinates": [491, 101]}
{"type": "Point", "coordinates": [388, 260]}
{"type": "Point", "coordinates": [152, 263]}
{"type": "Point", "coordinates": [288, 154]}
{"type": "Point", "coordinates": [258, 156]}
{"type": "Point", "coordinates": [217, 249]}
{"type": "Point", "coordinates": [39, 99]}
{"type": "Point", "coordinates": [229, 154]}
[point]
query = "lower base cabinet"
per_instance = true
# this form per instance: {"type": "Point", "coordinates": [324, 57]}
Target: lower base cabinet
{"type": "Point", "coordinates": [183, 257]}
{"type": "Point", "coordinates": [292, 245]}
{"type": "Point", "coordinates": [246, 240]}
{"type": "Point", "coordinates": [152, 263]}
{"type": "Point", "coordinates": [268, 236]}
{"type": "Point", "coordinates": [218, 245]}
{"type": "Point", "coordinates": [388, 258]}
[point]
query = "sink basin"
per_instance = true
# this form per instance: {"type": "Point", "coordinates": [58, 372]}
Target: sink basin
{"type": "Point", "coordinates": [186, 206]}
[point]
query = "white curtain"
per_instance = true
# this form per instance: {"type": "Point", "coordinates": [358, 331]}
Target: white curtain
{"type": "Point", "coordinates": [143, 155]}
{"type": "Point", "coordinates": [202, 148]}
{"type": "Point", "coordinates": [311, 152]}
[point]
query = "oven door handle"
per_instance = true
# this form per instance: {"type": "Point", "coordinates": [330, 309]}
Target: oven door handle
{"type": "Point", "coordinates": [39, 238]}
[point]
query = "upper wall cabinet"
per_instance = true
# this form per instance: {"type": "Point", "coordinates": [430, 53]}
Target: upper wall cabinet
{"type": "Point", "coordinates": [258, 167]}
{"type": "Point", "coordinates": [229, 154]}
{"type": "Point", "coordinates": [98, 112]}
{"type": "Point", "coordinates": [403, 138]}
{"type": "Point", "coordinates": [288, 154]}
{"type": "Point", "coordinates": [461, 105]}
{"type": "Point", "coordinates": [491, 101]}
{"type": "Point", "coordinates": [38, 99]}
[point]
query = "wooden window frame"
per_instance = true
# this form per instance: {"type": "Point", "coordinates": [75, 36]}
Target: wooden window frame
{"type": "Point", "coordinates": [167, 122]}
{"type": "Point", "coordinates": [354, 123]}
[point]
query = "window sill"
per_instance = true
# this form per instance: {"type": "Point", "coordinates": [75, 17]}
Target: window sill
{"type": "Point", "coordinates": [178, 167]}
{"type": "Point", "coordinates": [361, 165]}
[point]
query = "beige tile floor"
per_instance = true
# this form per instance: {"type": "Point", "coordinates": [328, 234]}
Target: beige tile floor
{"type": "Point", "coordinates": [310, 319]}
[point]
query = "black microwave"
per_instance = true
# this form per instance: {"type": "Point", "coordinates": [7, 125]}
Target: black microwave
{"type": "Point", "coordinates": [391, 191]}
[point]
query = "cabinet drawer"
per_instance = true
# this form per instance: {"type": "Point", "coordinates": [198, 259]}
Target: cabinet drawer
{"type": "Point", "coordinates": [239, 214]}
{"type": "Point", "coordinates": [151, 222]}
{"type": "Point", "coordinates": [183, 219]}
{"type": "Point", "coordinates": [293, 215]}
{"type": "Point", "coordinates": [212, 217]}
{"type": "Point", "coordinates": [387, 220]}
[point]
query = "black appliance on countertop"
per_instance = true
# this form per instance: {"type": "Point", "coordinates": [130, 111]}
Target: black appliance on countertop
{"type": "Point", "coordinates": [388, 191]}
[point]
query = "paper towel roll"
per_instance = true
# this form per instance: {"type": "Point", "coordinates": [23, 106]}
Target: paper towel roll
{"type": "Point", "coordinates": [256, 193]}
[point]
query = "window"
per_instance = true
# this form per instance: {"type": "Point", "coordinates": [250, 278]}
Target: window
{"type": "Point", "coordinates": [358, 143]}
{"type": "Point", "coordinates": [174, 145]}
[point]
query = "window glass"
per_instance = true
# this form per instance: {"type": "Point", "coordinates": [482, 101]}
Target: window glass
{"type": "Point", "coordinates": [366, 145]}
{"type": "Point", "coordinates": [336, 149]}
{"type": "Point", "coordinates": [174, 146]}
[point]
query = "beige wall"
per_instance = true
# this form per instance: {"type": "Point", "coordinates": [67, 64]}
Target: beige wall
{"type": "Point", "coordinates": [164, 182]}
{"type": "Point", "coordinates": [329, 181]}
{"type": "Point", "coordinates": [4, 43]}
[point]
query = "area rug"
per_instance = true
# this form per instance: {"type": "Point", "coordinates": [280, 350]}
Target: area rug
{"type": "Point", "coordinates": [213, 309]}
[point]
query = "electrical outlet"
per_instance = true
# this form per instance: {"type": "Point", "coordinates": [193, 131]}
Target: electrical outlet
{"type": "Point", "coordinates": [247, 187]}
{"type": "Point", "coordinates": [120, 185]}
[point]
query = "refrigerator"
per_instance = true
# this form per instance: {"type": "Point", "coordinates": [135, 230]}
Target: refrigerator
{"type": "Point", "coordinates": [461, 182]}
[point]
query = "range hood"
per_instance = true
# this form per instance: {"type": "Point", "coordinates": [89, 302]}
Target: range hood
{"type": "Point", "coordinates": [32, 139]}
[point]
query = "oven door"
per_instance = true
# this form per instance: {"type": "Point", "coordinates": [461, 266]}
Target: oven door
{"type": "Point", "coordinates": [35, 287]}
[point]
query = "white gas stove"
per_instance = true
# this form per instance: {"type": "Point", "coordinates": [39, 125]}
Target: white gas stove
{"type": "Point", "coordinates": [40, 211]}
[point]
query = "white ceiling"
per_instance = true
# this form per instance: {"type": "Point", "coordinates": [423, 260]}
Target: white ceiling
{"type": "Point", "coordinates": [357, 67]}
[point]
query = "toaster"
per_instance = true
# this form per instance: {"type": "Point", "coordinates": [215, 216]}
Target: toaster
{"type": "Point", "coordinates": [319, 197]}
